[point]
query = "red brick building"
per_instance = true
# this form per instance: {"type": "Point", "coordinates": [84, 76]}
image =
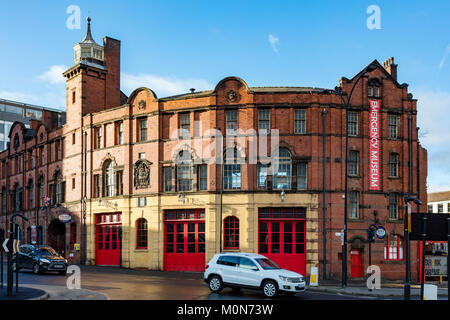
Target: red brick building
{"type": "Point", "coordinates": [144, 193]}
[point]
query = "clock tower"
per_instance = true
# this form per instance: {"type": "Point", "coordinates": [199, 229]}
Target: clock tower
{"type": "Point", "coordinates": [93, 83]}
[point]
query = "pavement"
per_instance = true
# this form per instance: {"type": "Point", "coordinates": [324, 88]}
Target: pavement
{"type": "Point", "coordinates": [25, 293]}
{"type": "Point", "coordinates": [388, 289]}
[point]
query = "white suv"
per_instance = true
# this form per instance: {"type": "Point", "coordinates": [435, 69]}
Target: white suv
{"type": "Point", "coordinates": [252, 271]}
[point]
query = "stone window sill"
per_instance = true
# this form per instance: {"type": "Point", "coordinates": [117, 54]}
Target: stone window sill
{"type": "Point", "coordinates": [140, 250]}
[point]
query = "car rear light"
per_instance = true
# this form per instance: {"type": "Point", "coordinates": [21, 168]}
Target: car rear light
{"type": "Point", "coordinates": [207, 266]}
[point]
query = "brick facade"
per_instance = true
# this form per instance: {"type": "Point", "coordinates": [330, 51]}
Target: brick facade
{"type": "Point", "coordinates": [94, 101]}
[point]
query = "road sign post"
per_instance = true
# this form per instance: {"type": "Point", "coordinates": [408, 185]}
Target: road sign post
{"type": "Point", "coordinates": [13, 246]}
{"type": "Point", "coordinates": [1, 264]}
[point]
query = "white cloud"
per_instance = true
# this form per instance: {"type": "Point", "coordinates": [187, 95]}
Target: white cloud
{"type": "Point", "coordinates": [433, 118]}
{"type": "Point", "coordinates": [444, 58]}
{"type": "Point", "coordinates": [163, 86]}
{"type": "Point", "coordinates": [54, 75]}
{"type": "Point", "coordinates": [273, 40]}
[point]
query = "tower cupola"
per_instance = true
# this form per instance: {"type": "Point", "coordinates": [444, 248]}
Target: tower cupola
{"type": "Point", "coordinates": [88, 51]}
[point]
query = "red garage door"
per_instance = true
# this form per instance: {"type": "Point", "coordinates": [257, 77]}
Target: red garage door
{"type": "Point", "coordinates": [108, 239]}
{"type": "Point", "coordinates": [282, 237]}
{"type": "Point", "coordinates": [184, 233]}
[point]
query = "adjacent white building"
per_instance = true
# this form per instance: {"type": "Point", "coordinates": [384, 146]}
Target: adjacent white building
{"type": "Point", "coordinates": [439, 202]}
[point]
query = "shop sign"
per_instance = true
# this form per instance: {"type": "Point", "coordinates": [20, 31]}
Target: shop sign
{"type": "Point", "coordinates": [64, 217]}
{"type": "Point", "coordinates": [435, 266]}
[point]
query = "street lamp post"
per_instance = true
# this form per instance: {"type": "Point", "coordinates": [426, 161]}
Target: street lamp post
{"type": "Point", "coordinates": [407, 287]}
{"type": "Point", "coordinates": [369, 68]}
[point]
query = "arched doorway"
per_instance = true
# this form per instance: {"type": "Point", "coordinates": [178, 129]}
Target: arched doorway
{"type": "Point", "coordinates": [356, 254]}
{"type": "Point", "coordinates": [57, 236]}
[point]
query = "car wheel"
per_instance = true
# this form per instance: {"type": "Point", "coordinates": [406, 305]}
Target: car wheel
{"type": "Point", "coordinates": [270, 289]}
{"type": "Point", "coordinates": [36, 268]}
{"type": "Point", "coordinates": [215, 284]}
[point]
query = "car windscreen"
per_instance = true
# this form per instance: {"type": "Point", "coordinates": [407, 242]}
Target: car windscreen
{"type": "Point", "coordinates": [267, 264]}
{"type": "Point", "coordinates": [46, 252]}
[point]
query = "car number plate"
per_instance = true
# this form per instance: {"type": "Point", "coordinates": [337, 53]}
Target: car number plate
{"type": "Point", "coordinates": [58, 266]}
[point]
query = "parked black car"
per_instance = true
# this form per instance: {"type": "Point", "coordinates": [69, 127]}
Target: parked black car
{"type": "Point", "coordinates": [40, 259]}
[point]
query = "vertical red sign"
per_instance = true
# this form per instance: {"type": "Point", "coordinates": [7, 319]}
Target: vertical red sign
{"type": "Point", "coordinates": [374, 145]}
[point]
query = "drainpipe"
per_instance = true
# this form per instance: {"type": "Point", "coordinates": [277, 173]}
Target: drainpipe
{"type": "Point", "coordinates": [83, 200]}
{"type": "Point", "coordinates": [324, 209]}
{"type": "Point", "coordinates": [410, 153]}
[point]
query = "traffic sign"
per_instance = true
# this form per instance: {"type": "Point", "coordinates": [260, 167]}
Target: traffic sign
{"type": "Point", "coordinates": [16, 246]}
{"type": "Point", "coordinates": [6, 245]}
{"type": "Point", "coordinates": [381, 232]}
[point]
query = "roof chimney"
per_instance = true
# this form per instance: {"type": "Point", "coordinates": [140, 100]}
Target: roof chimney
{"type": "Point", "coordinates": [391, 67]}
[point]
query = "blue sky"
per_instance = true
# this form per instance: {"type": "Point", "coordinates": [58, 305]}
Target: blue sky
{"type": "Point", "coordinates": [171, 46]}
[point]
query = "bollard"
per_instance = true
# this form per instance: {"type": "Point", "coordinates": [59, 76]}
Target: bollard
{"type": "Point", "coordinates": [430, 292]}
{"type": "Point", "coordinates": [314, 279]}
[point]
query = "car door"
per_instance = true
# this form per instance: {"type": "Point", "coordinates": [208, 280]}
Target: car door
{"type": "Point", "coordinates": [229, 268]}
{"type": "Point", "coordinates": [249, 273]}
{"type": "Point", "coordinates": [22, 257]}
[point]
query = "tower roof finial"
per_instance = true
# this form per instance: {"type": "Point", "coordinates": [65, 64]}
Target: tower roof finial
{"type": "Point", "coordinates": [88, 38]}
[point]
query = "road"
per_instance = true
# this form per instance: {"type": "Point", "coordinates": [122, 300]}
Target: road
{"type": "Point", "coordinates": [127, 284]}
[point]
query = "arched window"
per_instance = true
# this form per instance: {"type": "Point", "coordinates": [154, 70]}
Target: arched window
{"type": "Point", "coordinates": [232, 170]}
{"type": "Point", "coordinates": [141, 234]}
{"type": "Point", "coordinates": [59, 188]}
{"type": "Point", "coordinates": [108, 174]}
{"type": "Point", "coordinates": [282, 170]}
{"type": "Point", "coordinates": [185, 171]}
{"type": "Point", "coordinates": [30, 194]}
{"type": "Point", "coordinates": [231, 233]}
{"type": "Point", "coordinates": [393, 249]}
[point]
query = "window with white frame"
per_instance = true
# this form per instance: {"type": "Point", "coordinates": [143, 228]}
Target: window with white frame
{"type": "Point", "coordinates": [232, 120]}
{"type": "Point", "coordinates": [393, 121]}
{"type": "Point", "coordinates": [354, 205]}
{"type": "Point", "coordinates": [185, 124]}
{"type": "Point", "coordinates": [393, 249]}
{"type": "Point", "coordinates": [353, 123]}
{"type": "Point", "coordinates": [185, 174]}
{"type": "Point", "coordinates": [262, 176]}
{"type": "Point", "coordinates": [302, 175]}
{"type": "Point", "coordinates": [393, 206]}
{"type": "Point", "coordinates": [393, 164]}
{"type": "Point", "coordinates": [282, 170]}
{"type": "Point", "coordinates": [232, 170]}
{"type": "Point", "coordinates": [353, 163]}
{"type": "Point", "coordinates": [109, 189]}
{"type": "Point", "coordinates": [264, 121]}
{"type": "Point", "coordinates": [300, 121]}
